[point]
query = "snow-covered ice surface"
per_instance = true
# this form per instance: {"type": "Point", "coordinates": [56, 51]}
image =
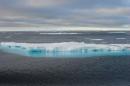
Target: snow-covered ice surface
{"type": "Point", "coordinates": [65, 49]}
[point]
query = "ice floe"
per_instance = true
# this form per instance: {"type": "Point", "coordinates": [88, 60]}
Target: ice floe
{"type": "Point", "coordinates": [65, 49]}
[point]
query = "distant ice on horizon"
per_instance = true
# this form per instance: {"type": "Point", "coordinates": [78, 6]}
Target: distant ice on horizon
{"type": "Point", "coordinates": [62, 29]}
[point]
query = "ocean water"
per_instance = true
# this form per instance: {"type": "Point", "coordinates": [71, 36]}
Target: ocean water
{"type": "Point", "coordinates": [18, 70]}
{"type": "Point", "coordinates": [66, 44]}
{"type": "Point", "coordinates": [56, 37]}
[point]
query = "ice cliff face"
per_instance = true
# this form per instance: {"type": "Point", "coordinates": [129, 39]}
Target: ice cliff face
{"type": "Point", "coordinates": [65, 49]}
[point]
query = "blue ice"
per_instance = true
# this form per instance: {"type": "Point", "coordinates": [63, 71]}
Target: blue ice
{"type": "Point", "coordinates": [65, 50]}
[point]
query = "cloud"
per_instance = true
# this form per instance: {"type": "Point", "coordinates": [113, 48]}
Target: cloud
{"type": "Point", "coordinates": [64, 12]}
{"type": "Point", "coordinates": [114, 11]}
{"type": "Point", "coordinates": [42, 3]}
{"type": "Point", "coordinates": [101, 12]}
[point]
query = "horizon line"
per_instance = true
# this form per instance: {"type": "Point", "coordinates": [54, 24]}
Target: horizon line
{"type": "Point", "coordinates": [52, 29]}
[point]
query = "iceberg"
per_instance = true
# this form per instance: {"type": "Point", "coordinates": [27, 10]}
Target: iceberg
{"type": "Point", "coordinates": [65, 49]}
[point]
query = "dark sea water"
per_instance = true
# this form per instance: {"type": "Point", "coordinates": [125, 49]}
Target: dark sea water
{"type": "Point", "coordinates": [18, 70]}
{"type": "Point", "coordinates": [56, 37]}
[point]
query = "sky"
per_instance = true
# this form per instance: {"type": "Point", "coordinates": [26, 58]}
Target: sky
{"type": "Point", "coordinates": [33, 13]}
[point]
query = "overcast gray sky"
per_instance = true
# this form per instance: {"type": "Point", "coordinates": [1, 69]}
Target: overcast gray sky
{"type": "Point", "coordinates": [64, 12]}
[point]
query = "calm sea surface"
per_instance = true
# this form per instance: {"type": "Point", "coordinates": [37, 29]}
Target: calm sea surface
{"type": "Point", "coordinates": [56, 37]}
